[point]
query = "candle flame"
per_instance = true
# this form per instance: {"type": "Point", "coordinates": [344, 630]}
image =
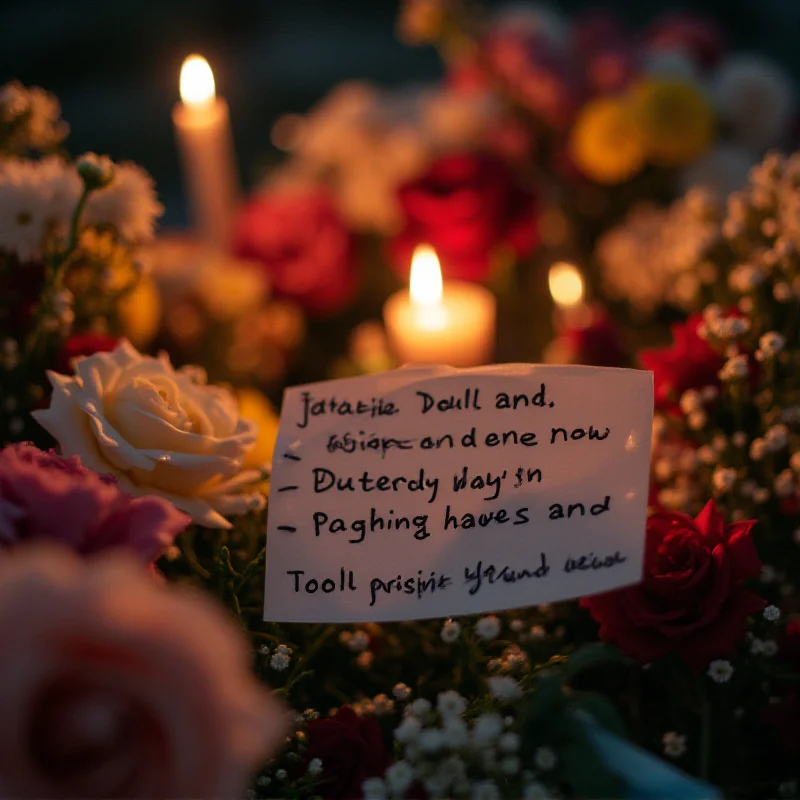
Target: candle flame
{"type": "Point", "coordinates": [197, 82]}
{"type": "Point", "coordinates": [566, 284]}
{"type": "Point", "coordinates": [425, 285]}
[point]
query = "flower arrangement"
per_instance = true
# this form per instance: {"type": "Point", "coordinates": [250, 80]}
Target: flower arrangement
{"type": "Point", "coordinates": [544, 133]}
{"type": "Point", "coordinates": [133, 616]}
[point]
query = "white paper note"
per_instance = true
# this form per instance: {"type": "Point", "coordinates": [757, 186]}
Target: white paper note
{"type": "Point", "coordinates": [430, 492]}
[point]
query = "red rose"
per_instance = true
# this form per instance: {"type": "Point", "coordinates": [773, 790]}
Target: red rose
{"type": "Point", "coordinates": [351, 749]}
{"type": "Point", "coordinates": [466, 207]}
{"type": "Point", "coordinates": [688, 363]}
{"type": "Point", "coordinates": [699, 37]}
{"type": "Point", "coordinates": [307, 250]}
{"type": "Point", "coordinates": [83, 344]}
{"type": "Point", "coordinates": [692, 601]}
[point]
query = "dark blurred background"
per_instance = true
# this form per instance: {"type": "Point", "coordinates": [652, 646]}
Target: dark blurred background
{"type": "Point", "coordinates": [115, 64]}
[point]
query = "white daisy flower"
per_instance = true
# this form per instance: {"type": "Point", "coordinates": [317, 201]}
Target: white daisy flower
{"type": "Point", "coordinates": [128, 203]}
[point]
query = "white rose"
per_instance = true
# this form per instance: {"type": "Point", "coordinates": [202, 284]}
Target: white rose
{"type": "Point", "coordinates": [159, 430]}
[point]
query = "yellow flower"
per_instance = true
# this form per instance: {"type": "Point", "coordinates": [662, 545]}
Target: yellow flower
{"type": "Point", "coordinates": [139, 313]}
{"type": "Point", "coordinates": [606, 141]}
{"type": "Point", "coordinates": [677, 121]}
{"type": "Point", "coordinates": [101, 251]}
{"type": "Point", "coordinates": [255, 407]}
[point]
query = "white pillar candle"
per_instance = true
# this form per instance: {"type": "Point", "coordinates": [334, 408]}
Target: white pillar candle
{"type": "Point", "coordinates": [440, 323]}
{"type": "Point", "coordinates": [203, 131]}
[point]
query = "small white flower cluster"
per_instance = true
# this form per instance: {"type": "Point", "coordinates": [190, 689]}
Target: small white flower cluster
{"type": "Point", "coordinates": [378, 706]}
{"type": "Point", "coordinates": [451, 631]}
{"type": "Point", "coordinates": [717, 326]}
{"type": "Point", "coordinates": [451, 758]}
{"type": "Point", "coordinates": [488, 627]}
{"type": "Point", "coordinates": [355, 641]}
{"type": "Point", "coordinates": [769, 345]}
{"type": "Point", "coordinates": [652, 258]}
{"type": "Point", "coordinates": [281, 658]}
{"type": "Point", "coordinates": [720, 671]}
{"type": "Point", "coordinates": [513, 660]}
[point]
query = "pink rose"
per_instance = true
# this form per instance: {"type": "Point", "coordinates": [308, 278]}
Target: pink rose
{"type": "Point", "coordinates": [112, 685]}
{"type": "Point", "coordinates": [46, 497]}
{"type": "Point", "coordinates": [304, 245]}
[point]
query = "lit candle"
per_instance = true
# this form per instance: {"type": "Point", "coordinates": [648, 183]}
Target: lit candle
{"type": "Point", "coordinates": [440, 323]}
{"type": "Point", "coordinates": [567, 289]}
{"type": "Point", "coordinates": [203, 131]}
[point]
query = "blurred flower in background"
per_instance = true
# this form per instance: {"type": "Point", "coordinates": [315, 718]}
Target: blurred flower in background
{"type": "Point", "coordinates": [470, 209]}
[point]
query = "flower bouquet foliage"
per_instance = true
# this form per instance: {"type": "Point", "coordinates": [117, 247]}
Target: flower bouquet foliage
{"type": "Point", "coordinates": [131, 583]}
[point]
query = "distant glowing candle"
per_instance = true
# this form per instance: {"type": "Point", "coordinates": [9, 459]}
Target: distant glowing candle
{"type": "Point", "coordinates": [438, 322]}
{"type": "Point", "coordinates": [203, 131]}
{"type": "Point", "coordinates": [567, 289]}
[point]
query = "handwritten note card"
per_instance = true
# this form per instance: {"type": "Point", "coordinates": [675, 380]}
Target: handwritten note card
{"type": "Point", "coordinates": [428, 492]}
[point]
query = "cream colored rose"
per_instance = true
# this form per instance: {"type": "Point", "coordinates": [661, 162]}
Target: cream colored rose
{"type": "Point", "coordinates": [159, 430]}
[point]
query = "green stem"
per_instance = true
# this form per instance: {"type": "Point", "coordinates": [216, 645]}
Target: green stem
{"type": "Point", "coordinates": [310, 652]}
{"type": "Point", "coordinates": [55, 275]}
{"type": "Point", "coordinates": [187, 548]}
{"type": "Point", "coordinates": [248, 571]}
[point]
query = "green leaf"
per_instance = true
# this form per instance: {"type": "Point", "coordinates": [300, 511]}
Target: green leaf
{"type": "Point", "coordinates": [546, 700]}
{"type": "Point", "coordinates": [594, 655]}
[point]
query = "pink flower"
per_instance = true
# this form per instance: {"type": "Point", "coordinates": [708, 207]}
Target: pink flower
{"type": "Point", "coordinates": [533, 73]}
{"type": "Point", "coordinates": [112, 685]}
{"type": "Point", "coordinates": [46, 497]}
